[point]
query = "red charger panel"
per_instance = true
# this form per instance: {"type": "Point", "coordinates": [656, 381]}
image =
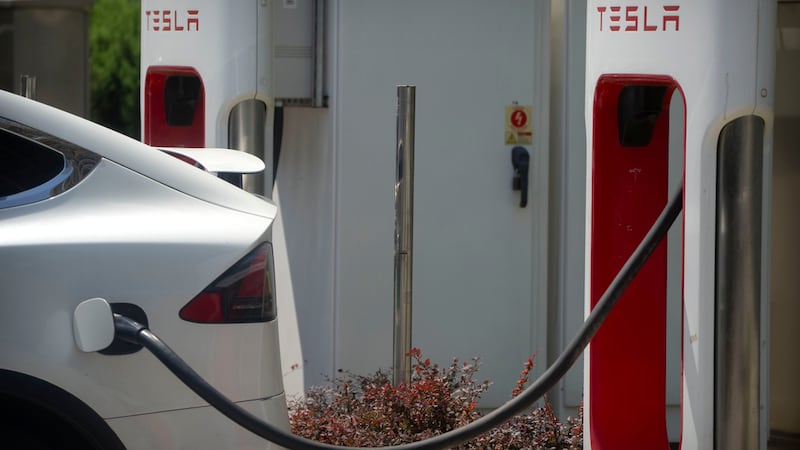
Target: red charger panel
{"type": "Point", "coordinates": [627, 357]}
{"type": "Point", "coordinates": [174, 107]}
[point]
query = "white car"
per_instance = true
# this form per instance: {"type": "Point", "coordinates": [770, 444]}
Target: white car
{"type": "Point", "coordinates": [88, 213]}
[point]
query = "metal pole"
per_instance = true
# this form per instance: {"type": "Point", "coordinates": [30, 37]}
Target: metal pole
{"type": "Point", "coordinates": [27, 86]}
{"type": "Point", "coordinates": [738, 284]}
{"type": "Point", "coordinates": [246, 125]}
{"type": "Point", "coordinates": [403, 240]}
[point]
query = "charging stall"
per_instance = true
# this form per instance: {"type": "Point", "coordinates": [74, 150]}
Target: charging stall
{"type": "Point", "coordinates": [206, 83]}
{"type": "Point", "coordinates": [715, 59]}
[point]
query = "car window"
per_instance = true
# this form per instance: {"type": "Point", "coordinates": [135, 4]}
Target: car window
{"type": "Point", "coordinates": [25, 165]}
{"type": "Point", "coordinates": [35, 166]}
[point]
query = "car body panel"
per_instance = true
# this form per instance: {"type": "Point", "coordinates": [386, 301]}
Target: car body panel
{"type": "Point", "coordinates": [178, 429]}
{"type": "Point", "coordinates": [171, 252]}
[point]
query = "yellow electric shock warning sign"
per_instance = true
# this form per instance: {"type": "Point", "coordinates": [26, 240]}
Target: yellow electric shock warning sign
{"type": "Point", "coordinates": [519, 128]}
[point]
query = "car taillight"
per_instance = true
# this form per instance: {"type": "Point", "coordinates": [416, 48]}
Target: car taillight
{"type": "Point", "coordinates": [244, 293]}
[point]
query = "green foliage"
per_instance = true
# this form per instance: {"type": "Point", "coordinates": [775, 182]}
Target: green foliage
{"type": "Point", "coordinates": [369, 411]}
{"type": "Point", "coordinates": [114, 36]}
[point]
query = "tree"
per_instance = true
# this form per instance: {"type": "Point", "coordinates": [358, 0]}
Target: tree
{"type": "Point", "coordinates": [114, 36]}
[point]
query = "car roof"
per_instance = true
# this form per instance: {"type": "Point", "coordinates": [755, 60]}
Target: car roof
{"type": "Point", "coordinates": [132, 154]}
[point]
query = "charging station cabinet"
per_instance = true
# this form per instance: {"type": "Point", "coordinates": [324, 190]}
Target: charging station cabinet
{"type": "Point", "coordinates": [205, 77]}
{"type": "Point", "coordinates": [212, 73]}
{"type": "Point", "coordinates": [720, 57]}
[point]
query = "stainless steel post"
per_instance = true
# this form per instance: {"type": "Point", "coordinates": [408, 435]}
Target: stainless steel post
{"type": "Point", "coordinates": [27, 86]}
{"type": "Point", "coordinates": [246, 132]}
{"type": "Point", "coordinates": [404, 233]}
{"type": "Point", "coordinates": [740, 160]}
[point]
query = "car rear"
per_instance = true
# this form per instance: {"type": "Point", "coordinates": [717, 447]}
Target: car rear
{"type": "Point", "coordinates": [142, 228]}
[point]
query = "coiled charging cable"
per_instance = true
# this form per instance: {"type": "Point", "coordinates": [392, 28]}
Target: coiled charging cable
{"type": "Point", "coordinates": [135, 332]}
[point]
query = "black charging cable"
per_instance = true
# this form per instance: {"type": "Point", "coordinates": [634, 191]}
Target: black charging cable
{"type": "Point", "coordinates": [134, 332]}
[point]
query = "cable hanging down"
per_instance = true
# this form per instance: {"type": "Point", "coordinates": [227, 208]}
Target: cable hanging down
{"type": "Point", "coordinates": [132, 331]}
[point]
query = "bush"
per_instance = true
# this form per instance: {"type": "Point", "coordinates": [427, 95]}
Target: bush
{"type": "Point", "coordinates": [368, 411]}
{"type": "Point", "coordinates": [539, 429]}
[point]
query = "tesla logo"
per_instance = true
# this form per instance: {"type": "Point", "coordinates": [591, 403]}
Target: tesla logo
{"type": "Point", "coordinates": [639, 18]}
{"type": "Point", "coordinates": [172, 20]}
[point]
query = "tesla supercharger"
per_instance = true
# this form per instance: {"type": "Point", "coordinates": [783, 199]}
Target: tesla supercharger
{"type": "Point", "coordinates": [205, 79]}
{"type": "Point", "coordinates": [716, 58]}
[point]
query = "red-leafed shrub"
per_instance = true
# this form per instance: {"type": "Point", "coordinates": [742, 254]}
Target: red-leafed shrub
{"type": "Point", "coordinates": [368, 411]}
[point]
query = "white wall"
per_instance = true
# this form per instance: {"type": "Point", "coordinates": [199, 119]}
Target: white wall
{"type": "Point", "coordinates": [478, 258]}
{"type": "Point", "coordinates": [303, 239]}
{"type": "Point", "coordinates": [568, 190]}
{"type": "Point", "coordinates": [335, 188]}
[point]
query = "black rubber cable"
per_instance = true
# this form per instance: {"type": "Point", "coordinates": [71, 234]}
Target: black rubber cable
{"type": "Point", "coordinates": [132, 331]}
